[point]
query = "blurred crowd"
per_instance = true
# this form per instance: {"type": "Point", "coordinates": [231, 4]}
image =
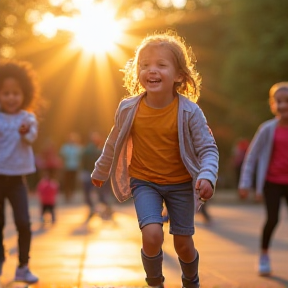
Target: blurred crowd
{"type": "Point", "coordinates": [66, 170]}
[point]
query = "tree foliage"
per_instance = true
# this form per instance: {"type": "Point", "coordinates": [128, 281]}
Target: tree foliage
{"type": "Point", "coordinates": [258, 58]}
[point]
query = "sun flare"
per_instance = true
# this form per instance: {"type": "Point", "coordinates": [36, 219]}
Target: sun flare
{"type": "Point", "coordinates": [96, 30]}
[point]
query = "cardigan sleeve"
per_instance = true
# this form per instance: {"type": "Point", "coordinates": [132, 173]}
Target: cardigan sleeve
{"type": "Point", "coordinates": [204, 146]}
{"type": "Point", "coordinates": [253, 153]}
{"type": "Point", "coordinates": [104, 163]}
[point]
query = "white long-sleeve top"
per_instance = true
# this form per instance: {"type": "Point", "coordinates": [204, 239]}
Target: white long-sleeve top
{"type": "Point", "coordinates": [16, 153]}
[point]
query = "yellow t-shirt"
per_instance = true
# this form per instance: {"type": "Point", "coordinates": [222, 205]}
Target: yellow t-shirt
{"type": "Point", "coordinates": [156, 154]}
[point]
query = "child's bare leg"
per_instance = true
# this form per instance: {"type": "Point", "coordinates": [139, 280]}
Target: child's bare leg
{"type": "Point", "coordinates": [152, 239]}
{"type": "Point", "coordinates": [188, 259]}
{"type": "Point", "coordinates": [152, 255]}
{"type": "Point", "coordinates": [184, 247]}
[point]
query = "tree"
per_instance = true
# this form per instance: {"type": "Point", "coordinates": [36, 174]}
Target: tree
{"type": "Point", "coordinates": [258, 58]}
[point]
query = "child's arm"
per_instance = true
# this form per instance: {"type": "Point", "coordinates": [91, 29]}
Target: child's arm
{"type": "Point", "coordinates": [250, 162]}
{"type": "Point", "coordinates": [206, 152]}
{"type": "Point", "coordinates": [29, 129]}
{"type": "Point", "coordinates": [103, 164]}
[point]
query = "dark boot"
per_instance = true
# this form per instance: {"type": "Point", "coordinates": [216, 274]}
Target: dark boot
{"type": "Point", "coordinates": [190, 277]}
{"type": "Point", "coordinates": [153, 269]}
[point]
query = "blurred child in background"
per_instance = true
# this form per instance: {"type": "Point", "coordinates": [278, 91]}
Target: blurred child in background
{"type": "Point", "coordinates": [90, 153]}
{"type": "Point", "coordinates": [48, 159]}
{"type": "Point", "coordinates": [268, 155]}
{"type": "Point", "coordinates": [70, 152]}
{"type": "Point", "coordinates": [47, 189]}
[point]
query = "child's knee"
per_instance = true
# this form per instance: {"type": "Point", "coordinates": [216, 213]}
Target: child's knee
{"type": "Point", "coordinates": [184, 245]}
{"type": "Point", "coordinates": [152, 234]}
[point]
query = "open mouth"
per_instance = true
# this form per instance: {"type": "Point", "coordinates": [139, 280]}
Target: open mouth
{"type": "Point", "coordinates": [154, 80]}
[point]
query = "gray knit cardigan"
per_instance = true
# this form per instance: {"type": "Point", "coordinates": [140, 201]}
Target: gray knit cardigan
{"type": "Point", "coordinates": [198, 149]}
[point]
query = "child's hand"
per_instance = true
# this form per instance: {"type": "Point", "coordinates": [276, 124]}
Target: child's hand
{"type": "Point", "coordinates": [97, 183]}
{"type": "Point", "coordinates": [258, 198]}
{"type": "Point", "coordinates": [243, 193]}
{"type": "Point", "coordinates": [24, 128]}
{"type": "Point", "coordinates": [204, 188]}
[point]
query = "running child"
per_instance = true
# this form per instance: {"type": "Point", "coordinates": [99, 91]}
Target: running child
{"type": "Point", "coordinates": [18, 130]}
{"type": "Point", "coordinates": [47, 189]}
{"type": "Point", "coordinates": [162, 150]}
{"type": "Point", "coordinates": [268, 156]}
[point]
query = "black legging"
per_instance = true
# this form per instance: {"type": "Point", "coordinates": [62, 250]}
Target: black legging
{"type": "Point", "coordinates": [272, 195]}
{"type": "Point", "coordinates": [14, 189]}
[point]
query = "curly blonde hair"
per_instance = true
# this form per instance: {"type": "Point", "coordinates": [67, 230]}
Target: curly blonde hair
{"type": "Point", "coordinates": [185, 58]}
{"type": "Point", "coordinates": [273, 90]}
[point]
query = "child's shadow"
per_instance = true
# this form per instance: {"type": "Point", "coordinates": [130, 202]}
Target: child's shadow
{"type": "Point", "coordinates": [42, 228]}
{"type": "Point", "coordinates": [83, 229]}
{"type": "Point", "coordinates": [95, 225]}
{"type": "Point", "coordinates": [279, 280]}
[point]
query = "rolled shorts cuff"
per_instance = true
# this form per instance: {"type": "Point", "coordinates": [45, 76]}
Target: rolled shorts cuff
{"type": "Point", "coordinates": [180, 231]}
{"type": "Point", "coordinates": [153, 219]}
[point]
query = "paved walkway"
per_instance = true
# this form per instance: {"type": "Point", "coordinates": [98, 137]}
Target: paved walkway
{"type": "Point", "coordinates": [72, 253]}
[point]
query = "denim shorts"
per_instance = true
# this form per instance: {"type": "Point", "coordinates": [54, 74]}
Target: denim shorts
{"type": "Point", "coordinates": [179, 199]}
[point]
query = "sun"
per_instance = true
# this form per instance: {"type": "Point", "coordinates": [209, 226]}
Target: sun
{"type": "Point", "coordinates": [96, 30]}
{"type": "Point", "coordinates": [94, 27]}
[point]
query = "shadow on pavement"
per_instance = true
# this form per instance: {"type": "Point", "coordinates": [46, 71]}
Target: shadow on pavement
{"type": "Point", "coordinates": [279, 280]}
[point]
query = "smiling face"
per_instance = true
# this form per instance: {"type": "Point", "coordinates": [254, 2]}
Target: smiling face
{"type": "Point", "coordinates": [281, 103]}
{"type": "Point", "coordinates": [157, 70]}
{"type": "Point", "coordinates": [11, 96]}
